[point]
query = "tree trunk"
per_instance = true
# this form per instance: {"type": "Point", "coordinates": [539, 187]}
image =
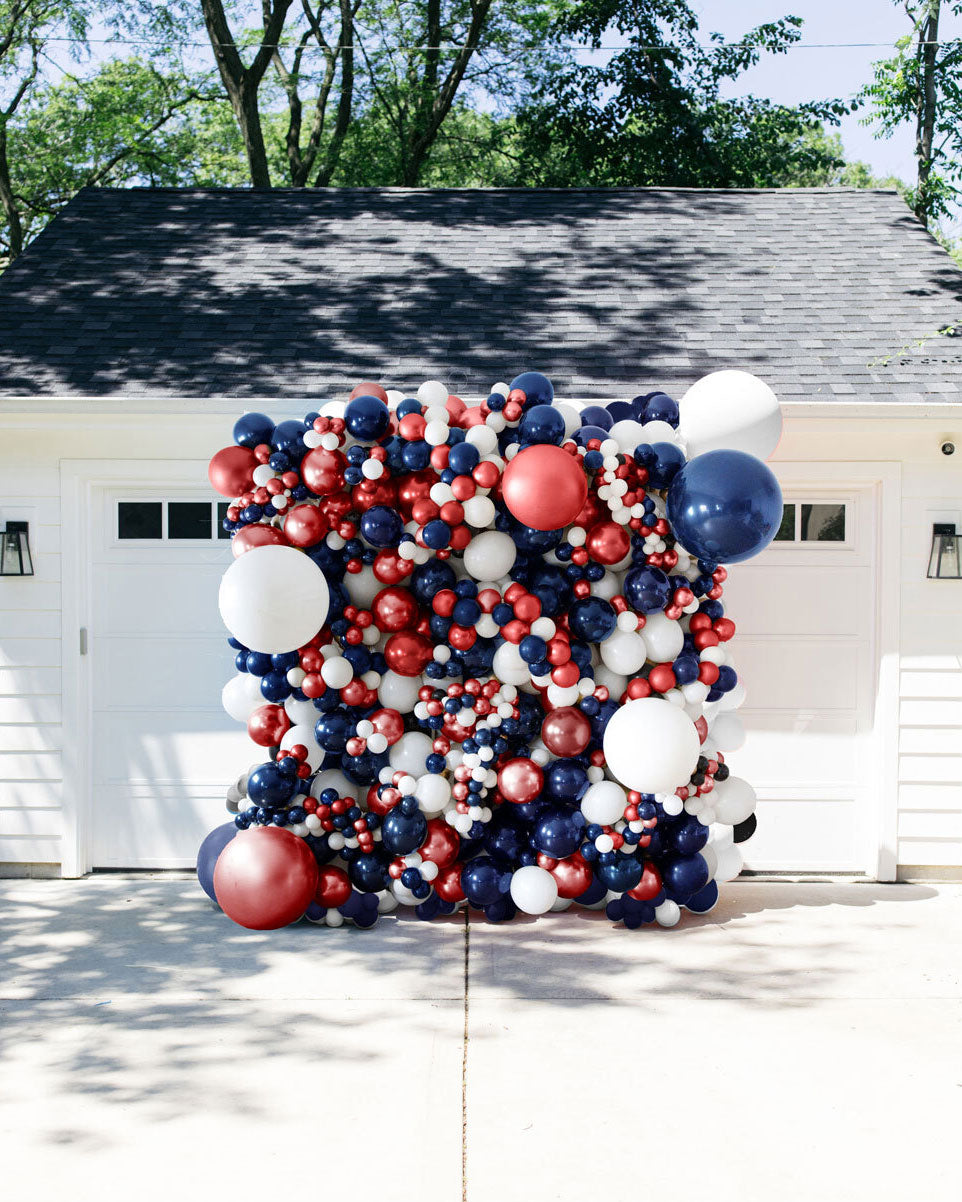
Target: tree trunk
{"type": "Point", "coordinates": [925, 108]}
{"type": "Point", "coordinates": [8, 200]}
{"type": "Point", "coordinates": [249, 119]}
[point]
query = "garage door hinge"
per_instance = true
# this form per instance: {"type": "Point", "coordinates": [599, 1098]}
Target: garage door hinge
{"type": "Point", "coordinates": [83, 640]}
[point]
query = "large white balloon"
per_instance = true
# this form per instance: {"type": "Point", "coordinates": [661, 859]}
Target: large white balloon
{"type": "Point", "coordinates": [623, 652]}
{"type": "Point", "coordinates": [733, 800]}
{"type": "Point", "coordinates": [333, 778]}
{"type": "Point", "coordinates": [628, 434]}
{"type": "Point", "coordinates": [533, 890]}
{"type": "Point", "coordinates": [409, 753]}
{"type": "Point", "coordinates": [399, 692]}
{"type": "Point", "coordinates": [651, 745]}
{"type": "Point", "coordinates": [305, 736]}
{"type": "Point", "coordinates": [242, 695]}
{"type": "Point", "coordinates": [490, 555]}
{"type": "Point", "coordinates": [433, 793]}
{"type": "Point", "coordinates": [273, 599]}
{"type": "Point", "coordinates": [508, 666]}
{"type": "Point", "coordinates": [604, 802]}
{"type": "Point", "coordinates": [362, 587]}
{"type": "Point", "coordinates": [663, 637]}
{"type": "Point", "coordinates": [731, 410]}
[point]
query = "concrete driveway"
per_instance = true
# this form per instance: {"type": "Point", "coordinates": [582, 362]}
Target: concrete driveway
{"type": "Point", "coordinates": [801, 1042]}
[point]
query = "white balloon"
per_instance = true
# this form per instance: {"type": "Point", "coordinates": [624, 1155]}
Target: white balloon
{"type": "Point", "coordinates": [651, 745]}
{"type": "Point", "coordinates": [614, 682]}
{"type": "Point", "coordinates": [668, 913]}
{"type": "Point", "coordinates": [733, 410]}
{"type": "Point", "coordinates": [337, 672]}
{"type": "Point", "coordinates": [301, 713]}
{"type": "Point", "coordinates": [489, 555]}
{"type": "Point", "coordinates": [508, 666]}
{"type": "Point", "coordinates": [533, 890]}
{"type": "Point", "coordinates": [624, 652]}
{"type": "Point", "coordinates": [305, 736]}
{"type": "Point", "coordinates": [732, 699]}
{"type": "Point", "coordinates": [362, 587]}
{"type": "Point", "coordinates": [607, 587]}
{"type": "Point", "coordinates": [730, 864]}
{"type": "Point", "coordinates": [733, 800]}
{"type": "Point", "coordinates": [727, 732]}
{"type": "Point", "coordinates": [707, 853]}
{"type": "Point", "coordinates": [399, 692]}
{"type": "Point", "coordinates": [242, 695]}
{"type": "Point", "coordinates": [273, 599]}
{"type": "Point", "coordinates": [628, 434]}
{"type": "Point", "coordinates": [433, 793]}
{"type": "Point", "coordinates": [333, 778]}
{"type": "Point", "coordinates": [479, 511]}
{"type": "Point", "coordinates": [409, 753]}
{"type": "Point", "coordinates": [659, 432]}
{"type": "Point", "coordinates": [663, 637]}
{"type": "Point", "coordinates": [604, 802]}
{"type": "Point", "coordinates": [572, 418]}
{"type": "Point", "coordinates": [433, 392]}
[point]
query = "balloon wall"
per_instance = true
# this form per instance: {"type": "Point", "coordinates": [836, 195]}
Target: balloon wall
{"type": "Point", "coordinates": [482, 652]}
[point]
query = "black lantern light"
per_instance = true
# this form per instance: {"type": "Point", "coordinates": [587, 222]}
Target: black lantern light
{"type": "Point", "coordinates": [945, 563]}
{"type": "Point", "coordinates": [15, 551]}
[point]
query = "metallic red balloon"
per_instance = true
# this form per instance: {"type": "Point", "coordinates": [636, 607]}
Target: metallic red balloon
{"type": "Point", "coordinates": [395, 609]}
{"type": "Point", "coordinates": [333, 887]}
{"type": "Point", "coordinates": [573, 875]}
{"type": "Point", "coordinates": [374, 492]}
{"type": "Point", "coordinates": [257, 535]}
{"type": "Point", "coordinates": [415, 487]}
{"type": "Point", "coordinates": [268, 724]}
{"type": "Point", "coordinates": [650, 884]}
{"type": "Point", "coordinates": [267, 880]}
{"type": "Point", "coordinates": [608, 542]}
{"type": "Point", "coordinates": [305, 525]}
{"type": "Point", "coordinates": [369, 388]}
{"type": "Point", "coordinates": [566, 731]}
{"type": "Point", "coordinates": [231, 470]}
{"type": "Point", "coordinates": [544, 487]}
{"type": "Point", "coordinates": [323, 471]}
{"type": "Point", "coordinates": [390, 568]}
{"type": "Point", "coordinates": [520, 780]}
{"type": "Point", "coordinates": [442, 844]}
{"type": "Point", "coordinates": [388, 723]}
{"type": "Point", "coordinates": [447, 884]}
{"type": "Point", "coordinates": [408, 653]}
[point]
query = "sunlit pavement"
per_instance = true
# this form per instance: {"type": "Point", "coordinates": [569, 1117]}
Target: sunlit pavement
{"type": "Point", "coordinates": [800, 1042]}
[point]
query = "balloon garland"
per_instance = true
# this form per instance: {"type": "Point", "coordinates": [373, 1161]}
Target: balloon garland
{"type": "Point", "coordinates": [485, 651]}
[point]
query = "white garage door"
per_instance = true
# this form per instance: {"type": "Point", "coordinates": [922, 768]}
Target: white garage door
{"type": "Point", "coordinates": [804, 649]}
{"type": "Point", "coordinates": [163, 751]}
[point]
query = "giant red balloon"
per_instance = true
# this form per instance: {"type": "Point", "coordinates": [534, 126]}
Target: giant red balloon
{"type": "Point", "coordinates": [566, 731]}
{"type": "Point", "coordinates": [573, 875]}
{"type": "Point", "coordinates": [257, 535]}
{"type": "Point", "coordinates": [441, 845]}
{"type": "Point", "coordinates": [520, 780]}
{"type": "Point", "coordinates": [608, 542]}
{"type": "Point", "coordinates": [305, 525]}
{"type": "Point", "coordinates": [267, 880]}
{"type": "Point", "coordinates": [323, 471]}
{"type": "Point", "coordinates": [268, 724]}
{"type": "Point", "coordinates": [544, 487]}
{"type": "Point", "coordinates": [408, 653]}
{"type": "Point", "coordinates": [231, 470]}
{"type": "Point", "coordinates": [395, 609]}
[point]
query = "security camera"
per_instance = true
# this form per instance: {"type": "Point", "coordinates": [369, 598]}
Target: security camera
{"type": "Point", "coordinates": [948, 448]}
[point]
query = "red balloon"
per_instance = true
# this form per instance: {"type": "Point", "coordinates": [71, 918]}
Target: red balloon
{"type": "Point", "coordinates": [390, 568]}
{"type": "Point", "coordinates": [608, 542]}
{"type": "Point", "coordinates": [520, 780]}
{"type": "Point", "coordinates": [388, 723]}
{"type": "Point", "coordinates": [268, 724]}
{"type": "Point", "coordinates": [573, 875]}
{"type": "Point", "coordinates": [369, 388]}
{"type": "Point", "coordinates": [323, 471]}
{"type": "Point", "coordinates": [544, 487]}
{"type": "Point", "coordinates": [374, 492]}
{"type": "Point", "coordinates": [231, 470]}
{"type": "Point", "coordinates": [415, 487]}
{"type": "Point", "coordinates": [305, 525]}
{"type": "Point", "coordinates": [566, 731]}
{"type": "Point", "coordinates": [650, 884]}
{"type": "Point", "coordinates": [447, 884]}
{"type": "Point", "coordinates": [442, 844]}
{"type": "Point", "coordinates": [395, 609]}
{"type": "Point", "coordinates": [333, 887]}
{"type": "Point", "coordinates": [408, 653]}
{"type": "Point", "coordinates": [257, 535]}
{"type": "Point", "coordinates": [265, 878]}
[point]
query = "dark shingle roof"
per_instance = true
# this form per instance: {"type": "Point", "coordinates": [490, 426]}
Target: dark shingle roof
{"type": "Point", "coordinates": [157, 292]}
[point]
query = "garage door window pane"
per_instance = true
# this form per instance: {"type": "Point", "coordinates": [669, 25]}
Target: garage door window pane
{"type": "Point", "coordinates": [823, 523]}
{"type": "Point", "coordinates": [188, 519]}
{"type": "Point", "coordinates": [140, 519]}
{"type": "Point", "coordinates": [786, 531]}
{"type": "Point", "coordinates": [222, 507]}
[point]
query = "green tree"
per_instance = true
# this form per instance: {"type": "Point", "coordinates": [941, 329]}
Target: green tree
{"type": "Point", "coordinates": [922, 83]}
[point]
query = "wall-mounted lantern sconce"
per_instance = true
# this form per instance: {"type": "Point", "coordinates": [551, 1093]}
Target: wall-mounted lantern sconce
{"type": "Point", "coordinates": [15, 551]}
{"type": "Point", "coordinates": [945, 562]}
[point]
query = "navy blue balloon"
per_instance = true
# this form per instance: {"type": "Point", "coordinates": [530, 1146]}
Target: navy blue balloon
{"type": "Point", "coordinates": [504, 840]}
{"type": "Point", "coordinates": [592, 619]}
{"type": "Point", "coordinates": [368, 873]}
{"type": "Point", "coordinates": [268, 785]}
{"type": "Point", "coordinates": [558, 833]}
{"type": "Point", "coordinates": [463, 458]}
{"type": "Point", "coordinates": [702, 901]}
{"type": "Point", "coordinates": [619, 411]}
{"type": "Point", "coordinates": [565, 780]}
{"type": "Point", "coordinates": [332, 730]}
{"type": "Point", "coordinates": [403, 833]}
{"type": "Point", "coordinates": [528, 539]}
{"type": "Point", "coordinates": [542, 424]}
{"type": "Point", "coordinates": [684, 876]}
{"type": "Point", "coordinates": [724, 506]}
{"type": "Point", "coordinates": [620, 873]}
{"type": "Point", "coordinates": [207, 855]}
{"type": "Point", "coordinates": [647, 589]}
{"type": "Point", "coordinates": [483, 881]}
{"type": "Point", "coordinates": [666, 463]}
{"type": "Point", "coordinates": [381, 526]}
{"type": "Point", "coordinates": [367, 418]}
{"type": "Point", "coordinates": [596, 415]}
{"type": "Point", "coordinates": [689, 836]}
{"type": "Point", "coordinates": [289, 436]}
{"type": "Point", "coordinates": [659, 407]}
{"type": "Point", "coordinates": [253, 430]}
{"type": "Point", "coordinates": [583, 436]}
{"type": "Point", "coordinates": [537, 388]}
{"type": "Point", "coordinates": [430, 578]}
{"type": "Point", "coordinates": [594, 893]}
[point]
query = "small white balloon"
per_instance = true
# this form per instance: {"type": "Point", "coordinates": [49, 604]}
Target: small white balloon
{"type": "Point", "coordinates": [733, 410]}
{"type": "Point", "coordinates": [273, 599]}
{"type": "Point", "coordinates": [337, 672]}
{"type": "Point", "coordinates": [489, 555]}
{"type": "Point", "coordinates": [651, 745]}
{"type": "Point", "coordinates": [668, 913]}
{"type": "Point", "coordinates": [433, 793]}
{"type": "Point", "coordinates": [479, 511]}
{"type": "Point", "coordinates": [533, 890]}
{"type": "Point", "coordinates": [242, 695]}
{"type": "Point", "coordinates": [433, 392]}
{"type": "Point", "coordinates": [604, 802]}
{"type": "Point", "coordinates": [730, 864]}
{"type": "Point", "coordinates": [663, 637]}
{"type": "Point", "coordinates": [362, 587]}
{"type": "Point", "coordinates": [508, 666]}
{"type": "Point", "coordinates": [628, 434]}
{"type": "Point", "coordinates": [733, 800]}
{"type": "Point", "coordinates": [732, 699]}
{"type": "Point", "coordinates": [398, 692]}
{"type": "Point", "coordinates": [624, 652]}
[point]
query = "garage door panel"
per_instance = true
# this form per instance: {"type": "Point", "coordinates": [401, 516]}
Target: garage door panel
{"type": "Point", "coordinates": [191, 671]}
{"type": "Point", "coordinates": [810, 749]}
{"type": "Point", "coordinates": [809, 834]}
{"type": "Point", "coordinates": [779, 599]}
{"type": "Point", "coordinates": [168, 746]}
{"type": "Point", "coordinates": [159, 599]}
{"type": "Point", "coordinates": [804, 674]}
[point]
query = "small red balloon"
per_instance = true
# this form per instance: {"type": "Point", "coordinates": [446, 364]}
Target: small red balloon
{"type": "Point", "coordinates": [414, 487]}
{"type": "Point", "coordinates": [333, 887]}
{"type": "Point", "coordinates": [323, 471]}
{"type": "Point", "coordinates": [388, 723]}
{"type": "Point", "coordinates": [408, 653]}
{"type": "Point", "coordinates": [573, 875]}
{"type": "Point", "coordinates": [544, 487]}
{"type": "Point", "coordinates": [231, 469]}
{"type": "Point", "coordinates": [256, 535]}
{"type": "Point", "coordinates": [566, 731]}
{"type": "Point", "coordinates": [447, 884]}
{"type": "Point", "coordinates": [390, 568]}
{"type": "Point", "coordinates": [442, 844]}
{"type": "Point", "coordinates": [650, 884]}
{"type": "Point", "coordinates": [305, 525]}
{"type": "Point", "coordinates": [395, 609]}
{"type": "Point", "coordinates": [268, 724]}
{"type": "Point", "coordinates": [265, 878]}
{"type": "Point", "coordinates": [520, 780]}
{"type": "Point", "coordinates": [608, 542]}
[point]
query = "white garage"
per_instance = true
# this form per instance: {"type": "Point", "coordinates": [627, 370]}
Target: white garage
{"type": "Point", "coordinates": [119, 379]}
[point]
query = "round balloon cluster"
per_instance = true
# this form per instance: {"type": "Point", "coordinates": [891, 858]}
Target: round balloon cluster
{"type": "Point", "coordinates": [484, 651]}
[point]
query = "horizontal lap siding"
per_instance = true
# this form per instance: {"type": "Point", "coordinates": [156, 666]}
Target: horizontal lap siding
{"type": "Point", "coordinates": [31, 735]}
